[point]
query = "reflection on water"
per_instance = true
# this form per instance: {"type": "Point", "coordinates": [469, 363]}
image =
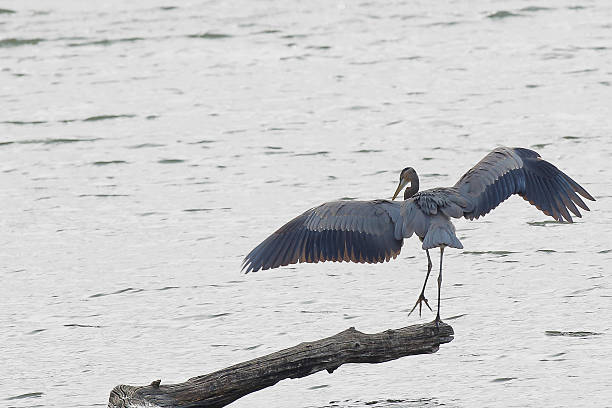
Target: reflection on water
{"type": "Point", "coordinates": [147, 147]}
{"type": "Point", "coordinates": [387, 403]}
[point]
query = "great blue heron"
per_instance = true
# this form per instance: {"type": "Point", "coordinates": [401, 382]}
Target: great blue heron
{"type": "Point", "coordinates": [374, 231]}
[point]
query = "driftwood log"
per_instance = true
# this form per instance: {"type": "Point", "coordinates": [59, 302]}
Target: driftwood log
{"type": "Point", "coordinates": [222, 387]}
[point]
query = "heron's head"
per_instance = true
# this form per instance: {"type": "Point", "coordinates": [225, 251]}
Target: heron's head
{"type": "Point", "coordinates": [408, 175]}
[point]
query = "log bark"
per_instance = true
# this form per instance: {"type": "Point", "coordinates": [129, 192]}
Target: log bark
{"type": "Point", "coordinates": [227, 385]}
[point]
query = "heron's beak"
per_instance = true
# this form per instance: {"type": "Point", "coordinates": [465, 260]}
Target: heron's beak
{"type": "Point", "coordinates": [401, 185]}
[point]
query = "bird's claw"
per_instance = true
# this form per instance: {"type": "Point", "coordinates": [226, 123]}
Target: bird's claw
{"type": "Point", "coordinates": [437, 321]}
{"type": "Point", "coordinates": [419, 303]}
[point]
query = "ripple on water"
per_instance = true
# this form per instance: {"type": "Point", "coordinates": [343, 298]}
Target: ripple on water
{"type": "Point", "coordinates": [375, 173]}
{"type": "Point", "coordinates": [271, 31]}
{"type": "Point", "coordinates": [581, 334]}
{"type": "Point", "coordinates": [27, 395]}
{"type": "Point", "coordinates": [498, 253]}
{"type": "Point", "coordinates": [395, 122]}
{"type": "Point", "coordinates": [503, 379]}
{"type": "Point", "coordinates": [274, 150]}
{"type": "Point", "coordinates": [545, 223]}
{"type": "Point", "coordinates": [203, 141]}
{"type": "Point", "coordinates": [20, 122]}
{"type": "Point", "coordinates": [145, 145]}
{"type": "Point", "coordinates": [106, 163]}
{"type": "Point", "coordinates": [149, 213]}
{"type": "Point", "coordinates": [233, 131]}
{"type": "Point", "coordinates": [555, 357]}
{"type": "Point", "coordinates": [126, 290]}
{"type": "Point", "coordinates": [106, 42]}
{"type": "Point", "coordinates": [456, 317]}
{"type": "Point", "coordinates": [387, 403]}
{"type": "Point", "coordinates": [210, 36]}
{"type": "Point", "coordinates": [317, 311]}
{"type": "Point", "coordinates": [367, 151]}
{"type": "Point", "coordinates": [320, 153]}
{"type": "Point", "coordinates": [53, 141]}
{"type": "Point", "coordinates": [540, 145]}
{"type": "Point", "coordinates": [501, 14]}
{"type": "Point", "coordinates": [533, 9]}
{"type": "Point", "coordinates": [18, 42]}
{"type": "Point", "coordinates": [103, 195]}
{"type": "Point", "coordinates": [443, 24]}
{"type": "Point", "coordinates": [202, 316]}
{"type": "Point", "coordinates": [106, 117]}
{"type": "Point", "coordinates": [581, 71]}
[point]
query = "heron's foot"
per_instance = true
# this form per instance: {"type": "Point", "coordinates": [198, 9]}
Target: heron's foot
{"type": "Point", "coordinates": [438, 321]}
{"type": "Point", "coordinates": [419, 303]}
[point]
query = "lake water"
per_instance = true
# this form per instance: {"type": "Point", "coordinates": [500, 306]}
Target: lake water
{"type": "Point", "coordinates": [146, 147]}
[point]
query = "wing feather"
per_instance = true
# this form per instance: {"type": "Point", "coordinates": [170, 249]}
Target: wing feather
{"type": "Point", "coordinates": [356, 231]}
{"type": "Point", "coordinates": [567, 197]}
{"type": "Point", "coordinates": [507, 171]}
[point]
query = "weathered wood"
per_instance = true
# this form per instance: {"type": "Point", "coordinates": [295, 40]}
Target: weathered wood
{"type": "Point", "coordinates": [227, 385]}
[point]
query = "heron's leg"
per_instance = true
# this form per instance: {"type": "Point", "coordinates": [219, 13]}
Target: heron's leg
{"type": "Point", "coordinates": [422, 297]}
{"type": "Point", "coordinates": [439, 285]}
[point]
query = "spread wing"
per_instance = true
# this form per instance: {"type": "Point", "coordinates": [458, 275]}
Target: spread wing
{"type": "Point", "coordinates": [506, 171]}
{"type": "Point", "coordinates": [355, 231]}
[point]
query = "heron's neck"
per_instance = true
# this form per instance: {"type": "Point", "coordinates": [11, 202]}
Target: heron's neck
{"type": "Point", "coordinates": [413, 189]}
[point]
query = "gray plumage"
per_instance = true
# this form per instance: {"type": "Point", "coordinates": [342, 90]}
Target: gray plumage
{"type": "Point", "coordinates": [373, 231]}
{"type": "Point", "coordinates": [357, 231]}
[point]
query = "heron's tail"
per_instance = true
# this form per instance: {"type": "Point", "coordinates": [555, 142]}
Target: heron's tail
{"type": "Point", "coordinates": [441, 234]}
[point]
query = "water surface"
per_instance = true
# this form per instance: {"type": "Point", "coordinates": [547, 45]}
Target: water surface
{"type": "Point", "coordinates": [147, 147]}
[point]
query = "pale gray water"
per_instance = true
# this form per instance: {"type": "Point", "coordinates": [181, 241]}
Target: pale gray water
{"type": "Point", "coordinates": [145, 148]}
